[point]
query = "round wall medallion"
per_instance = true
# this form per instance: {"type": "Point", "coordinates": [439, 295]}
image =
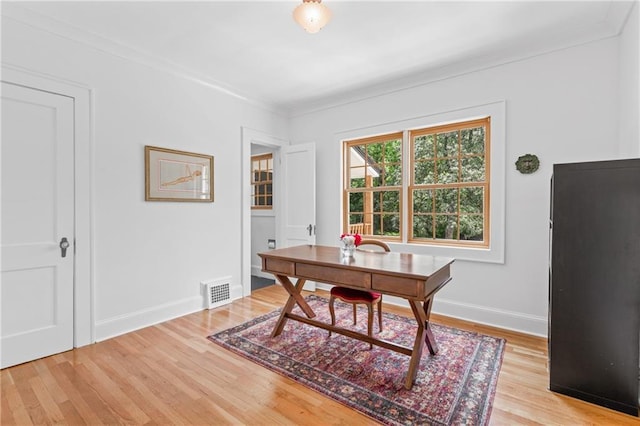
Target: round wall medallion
{"type": "Point", "coordinates": [527, 163]}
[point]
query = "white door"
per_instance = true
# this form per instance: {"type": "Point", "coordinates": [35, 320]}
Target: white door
{"type": "Point", "coordinates": [299, 196]}
{"type": "Point", "coordinates": [37, 213]}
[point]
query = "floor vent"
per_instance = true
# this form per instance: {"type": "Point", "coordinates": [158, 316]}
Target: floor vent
{"type": "Point", "coordinates": [217, 292]}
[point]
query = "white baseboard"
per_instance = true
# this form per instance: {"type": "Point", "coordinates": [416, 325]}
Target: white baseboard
{"type": "Point", "coordinates": [122, 324]}
{"type": "Point", "coordinates": [508, 320]}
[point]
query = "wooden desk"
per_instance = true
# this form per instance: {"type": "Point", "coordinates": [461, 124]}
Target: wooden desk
{"type": "Point", "coordinates": [413, 277]}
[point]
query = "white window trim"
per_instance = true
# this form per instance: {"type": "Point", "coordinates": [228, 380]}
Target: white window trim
{"type": "Point", "coordinates": [497, 111]}
{"type": "Point", "coordinates": [263, 213]}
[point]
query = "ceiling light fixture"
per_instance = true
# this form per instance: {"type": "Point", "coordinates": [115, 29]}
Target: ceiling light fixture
{"type": "Point", "coordinates": [312, 15]}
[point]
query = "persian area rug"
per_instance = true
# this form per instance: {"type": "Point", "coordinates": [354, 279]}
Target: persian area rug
{"type": "Point", "coordinates": [454, 387]}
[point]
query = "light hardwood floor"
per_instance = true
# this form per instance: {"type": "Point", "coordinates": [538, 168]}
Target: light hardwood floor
{"type": "Point", "coordinates": [171, 374]}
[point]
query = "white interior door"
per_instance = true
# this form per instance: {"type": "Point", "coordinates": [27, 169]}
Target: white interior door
{"type": "Point", "coordinates": [37, 213]}
{"type": "Point", "coordinates": [299, 196]}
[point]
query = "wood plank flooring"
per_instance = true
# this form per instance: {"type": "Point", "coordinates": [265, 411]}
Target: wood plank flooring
{"type": "Point", "coordinates": [171, 374]}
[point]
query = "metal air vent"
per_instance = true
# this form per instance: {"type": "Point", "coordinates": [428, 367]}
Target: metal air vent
{"type": "Point", "coordinates": [217, 292]}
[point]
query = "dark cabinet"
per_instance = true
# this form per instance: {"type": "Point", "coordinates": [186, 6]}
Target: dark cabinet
{"type": "Point", "coordinates": [594, 279]}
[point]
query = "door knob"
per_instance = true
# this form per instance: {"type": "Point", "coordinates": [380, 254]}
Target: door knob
{"type": "Point", "coordinates": [64, 245]}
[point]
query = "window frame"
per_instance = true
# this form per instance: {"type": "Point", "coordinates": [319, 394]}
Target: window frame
{"type": "Point", "coordinates": [399, 188]}
{"type": "Point", "coordinates": [486, 184]}
{"type": "Point", "coordinates": [255, 183]}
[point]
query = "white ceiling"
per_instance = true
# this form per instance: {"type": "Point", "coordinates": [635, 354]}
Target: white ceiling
{"type": "Point", "coordinates": [256, 51]}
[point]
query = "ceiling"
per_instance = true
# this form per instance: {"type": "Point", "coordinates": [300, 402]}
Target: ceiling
{"type": "Point", "coordinates": [254, 50]}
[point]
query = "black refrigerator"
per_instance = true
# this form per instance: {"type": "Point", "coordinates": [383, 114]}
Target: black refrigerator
{"type": "Point", "coordinates": [594, 283]}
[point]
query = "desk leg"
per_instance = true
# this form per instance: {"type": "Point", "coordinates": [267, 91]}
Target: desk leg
{"type": "Point", "coordinates": [429, 339]}
{"type": "Point", "coordinates": [423, 335]}
{"type": "Point", "coordinates": [294, 297]}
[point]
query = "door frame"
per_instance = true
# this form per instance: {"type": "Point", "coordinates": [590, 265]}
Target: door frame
{"type": "Point", "coordinates": [83, 282]}
{"type": "Point", "coordinates": [251, 136]}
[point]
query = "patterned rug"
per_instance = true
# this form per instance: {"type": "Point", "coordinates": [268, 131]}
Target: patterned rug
{"type": "Point", "coordinates": [454, 387]}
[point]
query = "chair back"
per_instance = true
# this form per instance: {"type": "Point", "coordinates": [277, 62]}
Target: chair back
{"type": "Point", "coordinates": [356, 228]}
{"type": "Point", "coordinates": [378, 243]}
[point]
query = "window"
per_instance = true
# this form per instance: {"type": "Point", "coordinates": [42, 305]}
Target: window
{"type": "Point", "coordinates": [373, 189]}
{"type": "Point", "coordinates": [262, 181]}
{"type": "Point", "coordinates": [447, 189]}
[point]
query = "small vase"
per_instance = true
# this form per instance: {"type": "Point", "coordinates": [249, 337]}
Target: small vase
{"type": "Point", "coordinates": [347, 251]}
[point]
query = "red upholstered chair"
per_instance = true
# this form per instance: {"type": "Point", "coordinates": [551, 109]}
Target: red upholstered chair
{"type": "Point", "coordinates": [353, 296]}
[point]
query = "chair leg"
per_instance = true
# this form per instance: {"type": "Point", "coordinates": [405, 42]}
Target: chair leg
{"type": "Point", "coordinates": [354, 314]}
{"type": "Point", "coordinates": [370, 322]}
{"type": "Point", "coordinates": [332, 311]}
{"type": "Point", "coordinates": [380, 314]}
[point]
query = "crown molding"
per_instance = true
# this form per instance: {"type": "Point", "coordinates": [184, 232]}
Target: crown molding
{"type": "Point", "coordinates": [611, 26]}
{"type": "Point", "coordinates": [618, 14]}
{"type": "Point", "coordinates": [94, 41]}
{"type": "Point", "coordinates": [602, 31]}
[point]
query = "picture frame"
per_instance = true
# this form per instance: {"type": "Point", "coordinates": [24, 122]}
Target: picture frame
{"type": "Point", "coordinates": [172, 175]}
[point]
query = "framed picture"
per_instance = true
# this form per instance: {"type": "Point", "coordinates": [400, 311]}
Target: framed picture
{"type": "Point", "coordinates": [172, 175]}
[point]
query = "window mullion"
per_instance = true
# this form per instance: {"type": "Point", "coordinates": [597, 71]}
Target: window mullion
{"type": "Point", "coordinates": [406, 211]}
{"type": "Point", "coordinates": [459, 181]}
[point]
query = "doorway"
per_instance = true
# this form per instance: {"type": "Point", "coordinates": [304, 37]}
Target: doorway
{"type": "Point", "coordinates": [263, 210]}
{"type": "Point", "coordinates": [254, 141]}
{"type": "Point", "coordinates": [293, 202]}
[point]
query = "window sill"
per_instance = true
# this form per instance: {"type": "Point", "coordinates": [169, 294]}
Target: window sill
{"type": "Point", "coordinates": [472, 254]}
{"type": "Point", "coordinates": [263, 213]}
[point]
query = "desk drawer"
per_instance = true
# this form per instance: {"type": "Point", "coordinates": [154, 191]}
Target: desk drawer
{"type": "Point", "coordinates": [334, 275]}
{"type": "Point", "coordinates": [396, 285]}
{"type": "Point", "coordinates": [279, 266]}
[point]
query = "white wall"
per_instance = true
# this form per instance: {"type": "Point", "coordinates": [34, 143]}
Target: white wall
{"type": "Point", "coordinates": [629, 86]}
{"type": "Point", "coordinates": [560, 106]}
{"type": "Point", "coordinates": [149, 257]}
{"type": "Point", "coordinates": [263, 228]}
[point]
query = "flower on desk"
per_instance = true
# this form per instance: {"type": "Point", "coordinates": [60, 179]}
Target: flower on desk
{"type": "Point", "coordinates": [350, 240]}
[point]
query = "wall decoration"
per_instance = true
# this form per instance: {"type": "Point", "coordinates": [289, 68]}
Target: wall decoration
{"type": "Point", "coordinates": [527, 163]}
{"type": "Point", "coordinates": [172, 175]}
